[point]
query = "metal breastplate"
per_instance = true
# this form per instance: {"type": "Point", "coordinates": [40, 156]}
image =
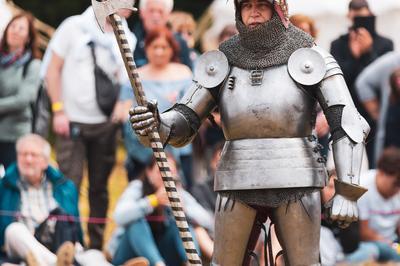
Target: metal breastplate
{"type": "Point", "coordinates": [266, 119]}
{"type": "Point", "coordinates": [265, 104]}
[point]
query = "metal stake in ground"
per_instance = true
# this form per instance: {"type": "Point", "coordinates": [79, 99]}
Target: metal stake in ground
{"type": "Point", "coordinates": [109, 9]}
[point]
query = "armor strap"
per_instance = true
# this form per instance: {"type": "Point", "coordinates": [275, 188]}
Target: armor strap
{"type": "Point", "coordinates": [191, 116]}
{"type": "Point", "coordinates": [350, 191]}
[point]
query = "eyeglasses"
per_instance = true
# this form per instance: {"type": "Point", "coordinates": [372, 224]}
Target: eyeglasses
{"type": "Point", "coordinates": [29, 153]}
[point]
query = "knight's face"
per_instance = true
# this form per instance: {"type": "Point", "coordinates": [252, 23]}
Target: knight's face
{"type": "Point", "coordinates": [255, 12]}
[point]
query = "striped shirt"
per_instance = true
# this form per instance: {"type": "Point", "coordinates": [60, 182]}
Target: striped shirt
{"type": "Point", "coordinates": [36, 203]}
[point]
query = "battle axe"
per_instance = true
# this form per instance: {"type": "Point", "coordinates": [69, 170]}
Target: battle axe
{"type": "Point", "coordinates": [108, 9]}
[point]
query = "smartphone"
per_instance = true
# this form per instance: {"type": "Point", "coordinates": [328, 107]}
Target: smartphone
{"type": "Point", "coordinates": [75, 131]}
{"type": "Point", "coordinates": [365, 22]}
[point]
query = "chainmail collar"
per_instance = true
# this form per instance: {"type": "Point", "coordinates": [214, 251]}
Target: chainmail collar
{"type": "Point", "coordinates": [267, 45]}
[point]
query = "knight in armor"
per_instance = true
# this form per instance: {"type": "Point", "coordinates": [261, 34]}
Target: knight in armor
{"type": "Point", "coordinates": [266, 82]}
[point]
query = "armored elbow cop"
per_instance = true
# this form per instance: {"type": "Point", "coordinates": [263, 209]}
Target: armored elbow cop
{"type": "Point", "coordinates": [181, 122]}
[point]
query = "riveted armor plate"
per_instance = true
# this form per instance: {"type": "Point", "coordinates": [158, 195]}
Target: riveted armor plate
{"type": "Point", "coordinates": [306, 66]}
{"type": "Point", "coordinates": [211, 69]}
{"type": "Point", "coordinates": [355, 126]}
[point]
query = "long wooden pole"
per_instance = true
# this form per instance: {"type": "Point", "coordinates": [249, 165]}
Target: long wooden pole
{"type": "Point", "coordinates": [156, 145]}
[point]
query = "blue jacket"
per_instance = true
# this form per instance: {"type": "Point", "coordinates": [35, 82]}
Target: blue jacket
{"type": "Point", "coordinates": [64, 193]}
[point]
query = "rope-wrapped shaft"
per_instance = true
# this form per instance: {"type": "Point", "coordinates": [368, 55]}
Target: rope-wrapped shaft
{"type": "Point", "coordinates": [156, 145]}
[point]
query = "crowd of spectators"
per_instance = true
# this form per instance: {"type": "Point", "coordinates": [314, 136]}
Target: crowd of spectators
{"type": "Point", "coordinates": [39, 216]}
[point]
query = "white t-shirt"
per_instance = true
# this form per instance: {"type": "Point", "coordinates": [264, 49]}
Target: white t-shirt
{"type": "Point", "coordinates": [70, 42]}
{"type": "Point", "coordinates": [383, 215]}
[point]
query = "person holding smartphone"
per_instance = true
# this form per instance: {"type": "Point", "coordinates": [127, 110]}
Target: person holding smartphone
{"type": "Point", "coordinates": [356, 50]}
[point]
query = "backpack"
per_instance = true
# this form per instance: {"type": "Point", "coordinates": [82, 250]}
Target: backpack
{"type": "Point", "coordinates": [40, 107]}
{"type": "Point", "coordinates": [58, 228]}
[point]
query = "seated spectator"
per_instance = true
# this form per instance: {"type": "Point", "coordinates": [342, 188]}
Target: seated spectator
{"type": "Point", "coordinates": [19, 83]}
{"type": "Point", "coordinates": [165, 80]}
{"type": "Point", "coordinates": [377, 89]}
{"type": "Point", "coordinates": [379, 211]}
{"type": "Point", "coordinates": [330, 249]}
{"type": "Point", "coordinates": [146, 226]}
{"type": "Point", "coordinates": [204, 192]}
{"type": "Point", "coordinates": [30, 191]}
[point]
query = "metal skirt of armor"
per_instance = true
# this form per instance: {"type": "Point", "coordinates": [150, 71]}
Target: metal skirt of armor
{"type": "Point", "coordinates": [270, 163]}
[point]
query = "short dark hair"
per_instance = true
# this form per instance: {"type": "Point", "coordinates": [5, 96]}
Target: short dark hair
{"type": "Point", "coordinates": [358, 4]}
{"type": "Point", "coordinates": [389, 162]}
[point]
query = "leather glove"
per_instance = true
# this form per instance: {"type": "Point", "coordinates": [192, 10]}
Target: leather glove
{"type": "Point", "coordinates": [144, 118]}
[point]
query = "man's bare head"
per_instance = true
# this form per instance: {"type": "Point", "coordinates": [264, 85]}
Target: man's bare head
{"type": "Point", "coordinates": [33, 155]}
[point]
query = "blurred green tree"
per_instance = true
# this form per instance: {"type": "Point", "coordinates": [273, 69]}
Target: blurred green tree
{"type": "Point", "coordinates": [54, 12]}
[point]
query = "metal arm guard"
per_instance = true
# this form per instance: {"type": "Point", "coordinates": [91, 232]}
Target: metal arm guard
{"type": "Point", "coordinates": [179, 124]}
{"type": "Point", "coordinates": [348, 128]}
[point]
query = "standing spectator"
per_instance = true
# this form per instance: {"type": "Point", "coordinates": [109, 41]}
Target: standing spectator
{"type": "Point", "coordinates": [164, 80]}
{"type": "Point", "coordinates": [34, 189]}
{"type": "Point", "coordinates": [393, 114]}
{"type": "Point", "coordinates": [305, 23]}
{"type": "Point", "coordinates": [374, 88]}
{"type": "Point", "coordinates": [146, 225]}
{"type": "Point", "coordinates": [356, 50]}
{"type": "Point", "coordinates": [379, 211]}
{"type": "Point", "coordinates": [155, 14]}
{"type": "Point", "coordinates": [19, 83]}
{"type": "Point", "coordinates": [83, 131]}
{"type": "Point", "coordinates": [227, 32]}
{"type": "Point", "coordinates": [183, 23]}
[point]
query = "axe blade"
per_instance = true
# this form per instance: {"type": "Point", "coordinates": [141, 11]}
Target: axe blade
{"type": "Point", "coordinates": [103, 9]}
